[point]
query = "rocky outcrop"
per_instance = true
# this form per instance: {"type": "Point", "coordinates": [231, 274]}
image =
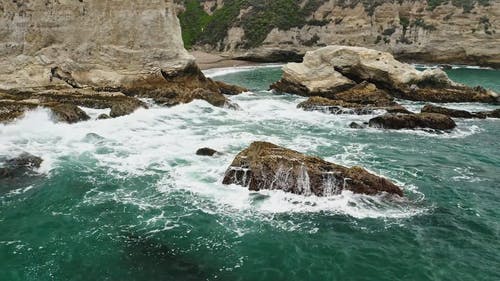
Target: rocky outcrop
{"type": "Point", "coordinates": [136, 51]}
{"type": "Point", "coordinates": [360, 99]}
{"type": "Point", "coordinates": [206, 151]}
{"type": "Point", "coordinates": [264, 165]}
{"type": "Point", "coordinates": [336, 106]}
{"type": "Point", "coordinates": [457, 32]}
{"type": "Point", "coordinates": [493, 114]}
{"type": "Point", "coordinates": [334, 69]}
{"type": "Point", "coordinates": [457, 113]}
{"type": "Point", "coordinates": [64, 103]}
{"type": "Point", "coordinates": [413, 121]}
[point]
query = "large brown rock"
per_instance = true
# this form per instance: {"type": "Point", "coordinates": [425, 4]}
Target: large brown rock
{"type": "Point", "coordinates": [413, 121]}
{"type": "Point", "coordinates": [334, 106]}
{"type": "Point", "coordinates": [330, 70]}
{"type": "Point", "coordinates": [264, 165]}
{"type": "Point", "coordinates": [360, 99]}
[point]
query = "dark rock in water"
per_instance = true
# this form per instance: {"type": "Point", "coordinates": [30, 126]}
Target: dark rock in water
{"type": "Point", "coordinates": [64, 103]}
{"type": "Point", "coordinates": [445, 66]}
{"type": "Point", "coordinates": [492, 114]}
{"type": "Point", "coordinates": [68, 113]}
{"type": "Point", "coordinates": [355, 125]}
{"type": "Point", "coordinates": [103, 116]}
{"type": "Point", "coordinates": [231, 90]}
{"type": "Point", "coordinates": [206, 152]}
{"type": "Point", "coordinates": [19, 165]}
{"type": "Point", "coordinates": [334, 106]}
{"type": "Point", "coordinates": [11, 110]}
{"type": "Point", "coordinates": [412, 121]}
{"type": "Point", "coordinates": [123, 108]}
{"type": "Point", "coordinates": [264, 165]}
{"type": "Point", "coordinates": [429, 108]}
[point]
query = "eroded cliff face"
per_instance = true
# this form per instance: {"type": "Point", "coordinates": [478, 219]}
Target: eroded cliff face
{"type": "Point", "coordinates": [61, 54]}
{"type": "Point", "coordinates": [96, 43]}
{"type": "Point", "coordinates": [418, 30]}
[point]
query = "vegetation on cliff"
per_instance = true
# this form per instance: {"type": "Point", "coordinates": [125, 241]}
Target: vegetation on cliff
{"type": "Point", "coordinates": [257, 18]}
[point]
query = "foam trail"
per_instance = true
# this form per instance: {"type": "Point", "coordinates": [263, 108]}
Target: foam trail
{"type": "Point", "coordinates": [214, 72]}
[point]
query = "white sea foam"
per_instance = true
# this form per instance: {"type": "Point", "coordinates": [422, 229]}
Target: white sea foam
{"type": "Point", "coordinates": [163, 141]}
{"type": "Point", "coordinates": [453, 66]}
{"type": "Point", "coordinates": [214, 72]}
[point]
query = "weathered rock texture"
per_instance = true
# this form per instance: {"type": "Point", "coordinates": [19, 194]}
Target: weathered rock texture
{"type": "Point", "coordinates": [438, 31]}
{"type": "Point", "coordinates": [264, 165]}
{"type": "Point", "coordinates": [133, 47]}
{"type": "Point", "coordinates": [360, 99]}
{"type": "Point", "coordinates": [331, 70]}
{"type": "Point", "coordinates": [433, 121]}
{"type": "Point", "coordinates": [457, 113]}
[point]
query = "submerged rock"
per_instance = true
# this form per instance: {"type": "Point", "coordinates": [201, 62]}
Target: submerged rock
{"type": "Point", "coordinates": [264, 165]}
{"type": "Point", "coordinates": [206, 152]}
{"type": "Point", "coordinates": [413, 121]}
{"type": "Point", "coordinates": [19, 165]}
{"type": "Point", "coordinates": [330, 70]}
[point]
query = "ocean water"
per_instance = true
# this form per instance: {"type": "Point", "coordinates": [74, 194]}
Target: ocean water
{"type": "Point", "coordinates": [128, 199]}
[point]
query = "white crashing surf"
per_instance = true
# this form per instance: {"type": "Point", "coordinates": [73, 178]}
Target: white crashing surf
{"type": "Point", "coordinates": [164, 140]}
{"type": "Point", "coordinates": [214, 72]}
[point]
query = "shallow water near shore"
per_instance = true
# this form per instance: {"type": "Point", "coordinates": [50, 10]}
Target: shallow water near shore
{"type": "Point", "coordinates": [128, 199]}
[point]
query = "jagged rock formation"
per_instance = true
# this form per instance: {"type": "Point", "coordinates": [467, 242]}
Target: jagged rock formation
{"type": "Point", "coordinates": [437, 31]}
{"type": "Point", "coordinates": [331, 70]}
{"type": "Point", "coordinates": [128, 47]}
{"type": "Point", "coordinates": [264, 165]}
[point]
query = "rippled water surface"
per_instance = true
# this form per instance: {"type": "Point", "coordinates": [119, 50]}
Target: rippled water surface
{"type": "Point", "coordinates": [128, 199]}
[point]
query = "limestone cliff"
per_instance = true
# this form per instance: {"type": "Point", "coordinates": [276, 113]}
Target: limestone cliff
{"type": "Point", "coordinates": [85, 49]}
{"type": "Point", "coordinates": [100, 43]}
{"type": "Point", "coordinates": [436, 31]}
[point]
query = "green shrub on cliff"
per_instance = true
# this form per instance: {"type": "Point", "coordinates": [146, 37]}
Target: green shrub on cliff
{"type": "Point", "coordinates": [193, 22]}
{"type": "Point", "coordinates": [467, 5]}
{"type": "Point", "coordinates": [259, 17]}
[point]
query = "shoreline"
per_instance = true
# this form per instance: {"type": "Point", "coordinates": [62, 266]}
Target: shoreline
{"type": "Point", "coordinates": [212, 61]}
{"type": "Point", "coordinates": [206, 61]}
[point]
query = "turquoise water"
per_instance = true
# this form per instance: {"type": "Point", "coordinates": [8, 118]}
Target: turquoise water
{"type": "Point", "coordinates": [128, 199]}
